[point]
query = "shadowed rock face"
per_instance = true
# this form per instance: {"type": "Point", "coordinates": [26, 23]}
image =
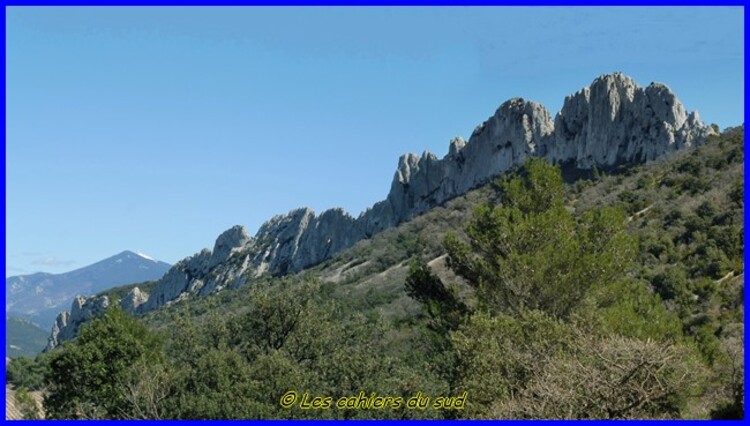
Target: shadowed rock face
{"type": "Point", "coordinates": [613, 121]}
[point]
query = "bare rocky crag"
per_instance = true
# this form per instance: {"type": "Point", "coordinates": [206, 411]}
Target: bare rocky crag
{"type": "Point", "coordinates": [613, 121]}
{"type": "Point", "coordinates": [67, 324]}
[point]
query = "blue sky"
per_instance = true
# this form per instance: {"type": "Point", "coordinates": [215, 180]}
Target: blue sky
{"type": "Point", "coordinates": [155, 129]}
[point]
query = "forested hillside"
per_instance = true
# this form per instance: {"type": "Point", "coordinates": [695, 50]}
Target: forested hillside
{"type": "Point", "coordinates": [617, 294]}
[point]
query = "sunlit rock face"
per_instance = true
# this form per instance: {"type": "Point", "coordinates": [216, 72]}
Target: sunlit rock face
{"type": "Point", "coordinates": [613, 121]}
{"type": "Point", "coordinates": [82, 310]}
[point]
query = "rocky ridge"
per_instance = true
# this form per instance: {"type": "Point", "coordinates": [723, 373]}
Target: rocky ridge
{"type": "Point", "coordinates": [82, 310]}
{"type": "Point", "coordinates": [611, 122]}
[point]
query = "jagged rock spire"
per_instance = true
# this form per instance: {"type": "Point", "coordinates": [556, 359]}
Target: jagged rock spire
{"type": "Point", "coordinates": [612, 121]}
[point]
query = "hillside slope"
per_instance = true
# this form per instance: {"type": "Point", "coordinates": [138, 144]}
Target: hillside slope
{"type": "Point", "coordinates": [686, 209]}
{"type": "Point", "coordinates": [349, 324]}
{"type": "Point", "coordinates": [612, 122]}
{"type": "Point", "coordinates": [685, 212]}
{"type": "Point", "coordinates": [22, 338]}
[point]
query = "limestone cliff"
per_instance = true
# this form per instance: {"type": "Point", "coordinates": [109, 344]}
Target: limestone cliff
{"type": "Point", "coordinates": [67, 324]}
{"type": "Point", "coordinates": [613, 121]}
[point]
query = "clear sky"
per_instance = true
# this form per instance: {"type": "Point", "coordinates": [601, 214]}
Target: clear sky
{"type": "Point", "coordinates": [155, 129]}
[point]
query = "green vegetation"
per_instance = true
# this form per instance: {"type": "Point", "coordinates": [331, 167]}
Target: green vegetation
{"type": "Point", "coordinates": [27, 373]}
{"type": "Point", "coordinates": [23, 339]}
{"type": "Point", "coordinates": [26, 404]}
{"type": "Point", "coordinates": [88, 377]}
{"type": "Point", "coordinates": [618, 296]}
{"type": "Point", "coordinates": [533, 347]}
{"type": "Point", "coordinates": [529, 252]}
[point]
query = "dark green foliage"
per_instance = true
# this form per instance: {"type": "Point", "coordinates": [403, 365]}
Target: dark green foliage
{"type": "Point", "coordinates": [529, 252]}
{"type": "Point", "coordinates": [23, 338]}
{"type": "Point", "coordinates": [695, 184]}
{"type": "Point", "coordinates": [411, 244]}
{"type": "Point", "coordinates": [691, 165]}
{"type": "Point", "coordinates": [441, 303]}
{"type": "Point", "coordinates": [728, 239]}
{"type": "Point", "coordinates": [26, 405]}
{"type": "Point", "coordinates": [628, 309]}
{"type": "Point", "coordinates": [709, 261]}
{"type": "Point", "coordinates": [737, 193]}
{"type": "Point", "coordinates": [27, 373]}
{"type": "Point", "coordinates": [707, 210]}
{"type": "Point", "coordinates": [290, 338]}
{"type": "Point", "coordinates": [633, 202]}
{"type": "Point", "coordinates": [672, 284]}
{"type": "Point", "coordinates": [86, 377]}
{"type": "Point", "coordinates": [553, 303]}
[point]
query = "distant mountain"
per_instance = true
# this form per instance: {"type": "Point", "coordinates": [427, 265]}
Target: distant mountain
{"type": "Point", "coordinates": [22, 338]}
{"type": "Point", "coordinates": [41, 296]}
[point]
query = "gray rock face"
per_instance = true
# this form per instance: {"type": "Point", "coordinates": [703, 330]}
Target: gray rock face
{"type": "Point", "coordinates": [300, 239]}
{"type": "Point", "coordinates": [66, 325]}
{"type": "Point", "coordinates": [377, 218]}
{"type": "Point", "coordinates": [205, 272]}
{"type": "Point", "coordinates": [60, 324]}
{"type": "Point", "coordinates": [505, 140]}
{"type": "Point", "coordinates": [279, 239]}
{"type": "Point", "coordinates": [284, 244]}
{"type": "Point", "coordinates": [332, 232]}
{"type": "Point", "coordinates": [186, 276]}
{"type": "Point", "coordinates": [133, 300]}
{"type": "Point", "coordinates": [229, 241]}
{"type": "Point", "coordinates": [615, 121]}
{"type": "Point", "coordinates": [612, 121]}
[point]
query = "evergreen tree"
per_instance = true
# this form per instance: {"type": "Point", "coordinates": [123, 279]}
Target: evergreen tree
{"type": "Point", "coordinates": [529, 252]}
{"type": "Point", "coordinates": [88, 375]}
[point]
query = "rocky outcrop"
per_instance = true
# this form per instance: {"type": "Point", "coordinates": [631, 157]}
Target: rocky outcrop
{"type": "Point", "coordinates": [206, 272]}
{"type": "Point", "coordinates": [228, 242]}
{"type": "Point", "coordinates": [420, 183]}
{"type": "Point", "coordinates": [66, 325]}
{"type": "Point", "coordinates": [280, 239]}
{"type": "Point", "coordinates": [300, 239]}
{"type": "Point", "coordinates": [61, 323]}
{"type": "Point", "coordinates": [613, 121]}
{"type": "Point", "coordinates": [133, 300]}
{"type": "Point", "coordinates": [185, 276]}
